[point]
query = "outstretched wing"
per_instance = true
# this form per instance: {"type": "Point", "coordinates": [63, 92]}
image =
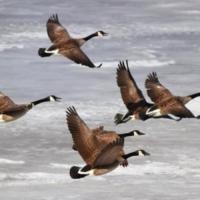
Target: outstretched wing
{"type": "Point", "coordinates": [56, 31]}
{"type": "Point", "coordinates": [155, 90]}
{"type": "Point", "coordinates": [81, 134]}
{"type": "Point", "coordinates": [77, 55]}
{"type": "Point", "coordinates": [5, 103]}
{"type": "Point", "coordinates": [130, 92]}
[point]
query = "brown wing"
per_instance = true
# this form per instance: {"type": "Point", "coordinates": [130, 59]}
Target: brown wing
{"type": "Point", "coordinates": [130, 92]}
{"type": "Point", "coordinates": [156, 91]}
{"type": "Point", "coordinates": [110, 154]}
{"type": "Point", "coordinates": [5, 103]}
{"type": "Point", "coordinates": [175, 107]}
{"type": "Point", "coordinates": [77, 55]}
{"type": "Point", "coordinates": [106, 137]}
{"type": "Point", "coordinates": [56, 31]}
{"type": "Point", "coordinates": [81, 134]}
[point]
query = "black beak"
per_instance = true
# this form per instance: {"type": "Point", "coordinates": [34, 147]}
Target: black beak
{"type": "Point", "coordinates": [99, 65]}
{"type": "Point", "coordinates": [141, 133]}
{"type": "Point", "coordinates": [145, 153]}
{"type": "Point", "coordinates": [58, 99]}
{"type": "Point", "coordinates": [105, 34]}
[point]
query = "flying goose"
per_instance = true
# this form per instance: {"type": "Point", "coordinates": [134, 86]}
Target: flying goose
{"type": "Point", "coordinates": [131, 95]}
{"type": "Point", "coordinates": [9, 111]}
{"type": "Point", "coordinates": [165, 102]}
{"type": "Point", "coordinates": [101, 150]}
{"type": "Point", "coordinates": [65, 45]}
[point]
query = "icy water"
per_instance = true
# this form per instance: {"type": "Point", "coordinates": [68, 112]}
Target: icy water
{"type": "Point", "coordinates": [35, 151]}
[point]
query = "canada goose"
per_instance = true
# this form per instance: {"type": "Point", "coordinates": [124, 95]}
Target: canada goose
{"type": "Point", "coordinates": [10, 111]}
{"type": "Point", "coordinates": [64, 44]}
{"type": "Point", "coordinates": [165, 102]}
{"type": "Point", "coordinates": [101, 150]}
{"type": "Point", "coordinates": [131, 95]}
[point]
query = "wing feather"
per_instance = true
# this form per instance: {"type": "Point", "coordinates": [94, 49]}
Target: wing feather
{"type": "Point", "coordinates": [85, 141]}
{"type": "Point", "coordinates": [130, 92]}
{"type": "Point", "coordinates": [155, 90]}
{"type": "Point", "coordinates": [56, 31]}
{"type": "Point", "coordinates": [5, 103]}
{"type": "Point", "coordinates": [77, 55]}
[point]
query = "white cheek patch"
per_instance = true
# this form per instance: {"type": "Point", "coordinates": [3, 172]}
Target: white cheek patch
{"type": "Point", "coordinates": [140, 153]}
{"type": "Point", "coordinates": [135, 133]}
{"type": "Point", "coordinates": [52, 99]}
{"type": "Point", "coordinates": [100, 34]}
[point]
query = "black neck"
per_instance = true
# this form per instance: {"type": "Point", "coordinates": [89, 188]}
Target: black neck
{"type": "Point", "coordinates": [194, 95]}
{"type": "Point", "coordinates": [123, 135]}
{"type": "Point", "coordinates": [34, 103]}
{"type": "Point", "coordinates": [90, 36]}
{"type": "Point", "coordinates": [128, 155]}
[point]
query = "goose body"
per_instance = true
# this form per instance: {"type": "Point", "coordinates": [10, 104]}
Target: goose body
{"type": "Point", "coordinates": [65, 45]}
{"type": "Point", "coordinates": [132, 96]}
{"type": "Point", "coordinates": [165, 102]}
{"type": "Point", "coordinates": [13, 113]}
{"type": "Point", "coordinates": [9, 111]}
{"type": "Point", "coordinates": [101, 150]}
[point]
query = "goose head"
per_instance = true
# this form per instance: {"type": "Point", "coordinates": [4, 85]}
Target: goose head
{"type": "Point", "coordinates": [101, 33]}
{"type": "Point", "coordinates": [142, 152]}
{"type": "Point", "coordinates": [54, 98]}
{"type": "Point", "coordinates": [137, 132]}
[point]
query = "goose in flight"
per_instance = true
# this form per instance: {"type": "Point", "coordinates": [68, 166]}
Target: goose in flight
{"type": "Point", "coordinates": [165, 103]}
{"type": "Point", "coordinates": [65, 45]}
{"type": "Point", "coordinates": [101, 150]}
{"type": "Point", "coordinates": [131, 95]}
{"type": "Point", "coordinates": [9, 111]}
